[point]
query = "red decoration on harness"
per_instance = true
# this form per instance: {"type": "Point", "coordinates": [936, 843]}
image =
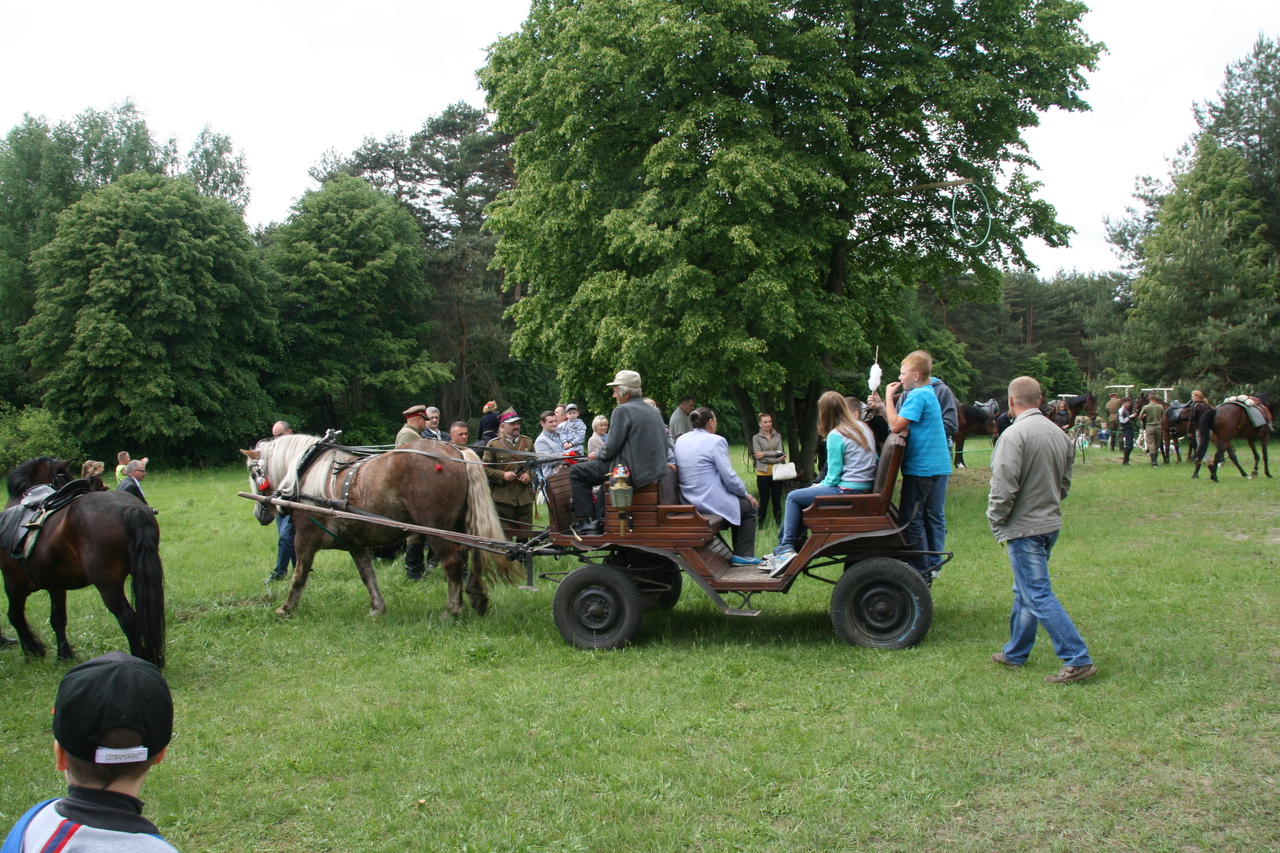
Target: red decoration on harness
{"type": "Point", "coordinates": [439, 467]}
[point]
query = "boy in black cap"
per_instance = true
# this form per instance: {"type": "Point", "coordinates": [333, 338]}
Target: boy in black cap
{"type": "Point", "coordinates": [111, 724]}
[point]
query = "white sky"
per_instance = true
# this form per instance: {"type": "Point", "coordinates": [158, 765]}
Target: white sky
{"type": "Point", "coordinates": [288, 80]}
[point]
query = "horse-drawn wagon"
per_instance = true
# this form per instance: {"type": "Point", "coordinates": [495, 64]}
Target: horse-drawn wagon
{"type": "Point", "coordinates": [652, 543]}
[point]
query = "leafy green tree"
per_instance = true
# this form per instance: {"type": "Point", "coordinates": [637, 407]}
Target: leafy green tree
{"type": "Point", "coordinates": [45, 169]}
{"type": "Point", "coordinates": [723, 189]}
{"type": "Point", "coordinates": [151, 321]}
{"type": "Point", "coordinates": [31, 432]}
{"type": "Point", "coordinates": [352, 305]}
{"type": "Point", "coordinates": [1206, 309]}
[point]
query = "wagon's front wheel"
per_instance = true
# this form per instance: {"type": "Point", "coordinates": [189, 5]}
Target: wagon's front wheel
{"type": "Point", "coordinates": [597, 607]}
{"type": "Point", "coordinates": [881, 603]}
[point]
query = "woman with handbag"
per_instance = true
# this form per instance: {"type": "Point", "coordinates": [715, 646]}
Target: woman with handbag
{"type": "Point", "coordinates": [766, 448]}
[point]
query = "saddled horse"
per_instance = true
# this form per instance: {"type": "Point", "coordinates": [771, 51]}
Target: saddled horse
{"type": "Point", "coordinates": [99, 538]}
{"type": "Point", "coordinates": [1181, 420]}
{"type": "Point", "coordinates": [971, 419]}
{"type": "Point", "coordinates": [427, 483]}
{"type": "Point", "coordinates": [1226, 423]}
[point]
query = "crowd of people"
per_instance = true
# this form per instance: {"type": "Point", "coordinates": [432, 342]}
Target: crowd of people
{"type": "Point", "coordinates": [635, 441]}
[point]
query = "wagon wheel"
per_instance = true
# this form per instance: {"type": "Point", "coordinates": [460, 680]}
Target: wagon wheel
{"type": "Point", "coordinates": [597, 607]}
{"type": "Point", "coordinates": [651, 570]}
{"type": "Point", "coordinates": [674, 579]}
{"type": "Point", "coordinates": [881, 603]}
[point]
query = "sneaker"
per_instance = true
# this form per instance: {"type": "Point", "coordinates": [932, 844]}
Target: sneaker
{"type": "Point", "coordinates": [276, 576]}
{"type": "Point", "coordinates": [999, 658]}
{"type": "Point", "coordinates": [782, 555]}
{"type": "Point", "coordinates": [735, 560]}
{"type": "Point", "coordinates": [1072, 673]}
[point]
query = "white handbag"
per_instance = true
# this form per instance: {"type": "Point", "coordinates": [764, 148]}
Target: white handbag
{"type": "Point", "coordinates": [784, 471]}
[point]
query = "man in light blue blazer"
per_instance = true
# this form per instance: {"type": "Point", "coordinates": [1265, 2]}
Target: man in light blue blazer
{"type": "Point", "coordinates": [708, 481]}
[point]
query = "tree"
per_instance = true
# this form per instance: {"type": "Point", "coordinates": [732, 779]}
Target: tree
{"type": "Point", "coordinates": [45, 169]}
{"type": "Point", "coordinates": [1206, 309]}
{"type": "Point", "coordinates": [352, 306]}
{"type": "Point", "coordinates": [722, 189]}
{"type": "Point", "coordinates": [151, 322]}
{"type": "Point", "coordinates": [1246, 118]}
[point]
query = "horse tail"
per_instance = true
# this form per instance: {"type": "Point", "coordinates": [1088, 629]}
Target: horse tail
{"type": "Point", "coordinates": [482, 520]}
{"type": "Point", "coordinates": [1206, 427]}
{"type": "Point", "coordinates": [148, 581]}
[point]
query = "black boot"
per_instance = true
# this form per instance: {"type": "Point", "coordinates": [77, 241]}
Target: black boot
{"type": "Point", "coordinates": [1126, 458]}
{"type": "Point", "coordinates": [1154, 459]}
{"type": "Point", "coordinates": [414, 568]}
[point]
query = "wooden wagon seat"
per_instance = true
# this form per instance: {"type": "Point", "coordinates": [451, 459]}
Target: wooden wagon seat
{"type": "Point", "coordinates": [870, 510]}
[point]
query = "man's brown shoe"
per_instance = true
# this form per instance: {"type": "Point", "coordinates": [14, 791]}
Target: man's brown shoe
{"type": "Point", "coordinates": [1072, 673]}
{"type": "Point", "coordinates": [999, 658]}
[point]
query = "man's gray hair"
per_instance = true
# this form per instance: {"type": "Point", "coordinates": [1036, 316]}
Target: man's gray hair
{"type": "Point", "coordinates": [631, 390]}
{"type": "Point", "coordinates": [134, 466]}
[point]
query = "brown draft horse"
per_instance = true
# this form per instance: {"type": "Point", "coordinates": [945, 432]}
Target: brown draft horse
{"type": "Point", "coordinates": [1226, 423]}
{"type": "Point", "coordinates": [971, 419]}
{"type": "Point", "coordinates": [100, 538]}
{"type": "Point", "coordinates": [428, 483]}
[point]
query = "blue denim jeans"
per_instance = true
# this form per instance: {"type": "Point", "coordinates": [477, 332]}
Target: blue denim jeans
{"type": "Point", "coordinates": [1035, 604]}
{"type": "Point", "coordinates": [927, 529]}
{"type": "Point", "coordinates": [793, 521]}
{"type": "Point", "coordinates": [284, 544]}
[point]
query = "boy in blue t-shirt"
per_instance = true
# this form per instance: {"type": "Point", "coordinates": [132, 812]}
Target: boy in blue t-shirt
{"type": "Point", "coordinates": [926, 463]}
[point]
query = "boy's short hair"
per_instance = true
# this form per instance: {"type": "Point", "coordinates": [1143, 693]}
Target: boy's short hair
{"type": "Point", "coordinates": [121, 456]}
{"type": "Point", "coordinates": [113, 716]}
{"type": "Point", "coordinates": [921, 362]}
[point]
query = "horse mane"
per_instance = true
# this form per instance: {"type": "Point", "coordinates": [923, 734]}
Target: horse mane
{"type": "Point", "coordinates": [20, 479]}
{"type": "Point", "coordinates": [975, 414]}
{"type": "Point", "coordinates": [282, 455]}
{"type": "Point", "coordinates": [1077, 400]}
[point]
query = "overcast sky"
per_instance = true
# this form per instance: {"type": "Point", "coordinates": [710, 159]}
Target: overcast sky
{"type": "Point", "coordinates": [288, 80]}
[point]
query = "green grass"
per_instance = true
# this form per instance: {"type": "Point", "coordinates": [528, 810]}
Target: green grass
{"type": "Point", "coordinates": [329, 731]}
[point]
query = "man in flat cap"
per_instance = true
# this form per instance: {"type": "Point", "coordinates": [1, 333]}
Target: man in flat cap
{"type": "Point", "coordinates": [415, 421]}
{"type": "Point", "coordinates": [637, 440]}
{"type": "Point", "coordinates": [508, 474]}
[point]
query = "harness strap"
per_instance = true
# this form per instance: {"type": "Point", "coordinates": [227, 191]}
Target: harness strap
{"type": "Point", "coordinates": [312, 519]}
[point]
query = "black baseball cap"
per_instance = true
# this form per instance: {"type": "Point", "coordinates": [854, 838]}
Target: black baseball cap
{"type": "Point", "coordinates": [113, 690]}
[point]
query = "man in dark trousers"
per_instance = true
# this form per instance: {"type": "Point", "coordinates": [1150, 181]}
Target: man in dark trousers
{"type": "Point", "coordinates": [637, 440]}
{"type": "Point", "coordinates": [1030, 475]}
{"type": "Point", "coordinates": [286, 555]}
{"type": "Point", "coordinates": [134, 473]}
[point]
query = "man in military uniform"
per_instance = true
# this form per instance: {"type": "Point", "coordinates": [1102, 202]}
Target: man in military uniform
{"type": "Point", "coordinates": [1151, 416]}
{"type": "Point", "coordinates": [512, 495]}
{"type": "Point", "coordinates": [1113, 420]}
{"type": "Point", "coordinates": [415, 567]}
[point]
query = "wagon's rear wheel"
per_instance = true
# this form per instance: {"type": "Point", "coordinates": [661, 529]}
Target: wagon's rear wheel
{"type": "Point", "coordinates": [597, 607]}
{"type": "Point", "coordinates": [881, 603]}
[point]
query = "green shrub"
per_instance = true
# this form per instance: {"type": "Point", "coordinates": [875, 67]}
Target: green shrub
{"type": "Point", "coordinates": [30, 432]}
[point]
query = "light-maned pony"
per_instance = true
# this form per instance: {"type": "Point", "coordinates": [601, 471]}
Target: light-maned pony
{"type": "Point", "coordinates": [442, 489]}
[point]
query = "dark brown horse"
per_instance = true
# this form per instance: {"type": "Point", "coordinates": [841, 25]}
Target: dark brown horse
{"type": "Point", "coordinates": [100, 538]}
{"type": "Point", "coordinates": [971, 419]}
{"type": "Point", "coordinates": [427, 483]}
{"type": "Point", "coordinates": [1226, 423]}
{"type": "Point", "coordinates": [1183, 423]}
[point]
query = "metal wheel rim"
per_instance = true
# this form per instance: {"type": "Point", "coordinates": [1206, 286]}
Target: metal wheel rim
{"type": "Point", "coordinates": [882, 608]}
{"type": "Point", "coordinates": [597, 609]}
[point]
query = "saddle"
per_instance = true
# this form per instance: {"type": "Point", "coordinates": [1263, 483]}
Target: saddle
{"type": "Point", "coordinates": [1259, 415]}
{"type": "Point", "coordinates": [20, 524]}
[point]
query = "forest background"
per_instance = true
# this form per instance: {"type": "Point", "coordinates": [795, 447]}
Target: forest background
{"type": "Point", "coordinates": [137, 309]}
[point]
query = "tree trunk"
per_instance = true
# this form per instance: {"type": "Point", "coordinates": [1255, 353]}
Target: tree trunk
{"type": "Point", "coordinates": [742, 399]}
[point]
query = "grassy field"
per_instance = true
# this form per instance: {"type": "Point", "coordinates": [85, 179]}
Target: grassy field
{"type": "Point", "coordinates": [331, 732]}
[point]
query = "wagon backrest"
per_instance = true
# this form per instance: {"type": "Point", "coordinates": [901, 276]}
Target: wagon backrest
{"type": "Point", "coordinates": [890, 463]}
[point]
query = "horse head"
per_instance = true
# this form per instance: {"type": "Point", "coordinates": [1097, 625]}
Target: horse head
{"type": "Point", "coordinates": [41, 470]}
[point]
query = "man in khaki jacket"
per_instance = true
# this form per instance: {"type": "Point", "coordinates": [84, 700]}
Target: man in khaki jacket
{"type": "Point", "coordinates": [1030, 476]}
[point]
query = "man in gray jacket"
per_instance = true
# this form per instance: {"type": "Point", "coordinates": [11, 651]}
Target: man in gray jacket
{"type": "Point", "coordinates": [637, 439]}
{"type": "Point", "coordinates": [1030, 475]}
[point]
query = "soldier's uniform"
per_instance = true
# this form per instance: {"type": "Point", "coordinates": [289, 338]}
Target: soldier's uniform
{"type": "Point", "coordinates": [514, 499]}
{"type": "Point", "coordinates": [414, 546]}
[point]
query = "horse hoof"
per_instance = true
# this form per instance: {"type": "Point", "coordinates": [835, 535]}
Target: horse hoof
{"type": "Point", "coordinates": [447, 616]}
{"type": "Point", "coordinates": [374, 614]}
{"type": "Point", "coordinates": [480, 604]}
{"type": "Point", "coordinates": [7, 643]}
{"type": "Point", "coordinates": [281, 611]}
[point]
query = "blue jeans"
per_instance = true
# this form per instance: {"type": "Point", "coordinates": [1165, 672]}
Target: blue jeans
{"type": "Point", "coordinates": [927, 529]}
{"type": "Point", "coordinates": [1035, 604]}
{"type": "Point", "coordinates": [793, 522]}
{"type": "Point", "coordinates": [284, 547]}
